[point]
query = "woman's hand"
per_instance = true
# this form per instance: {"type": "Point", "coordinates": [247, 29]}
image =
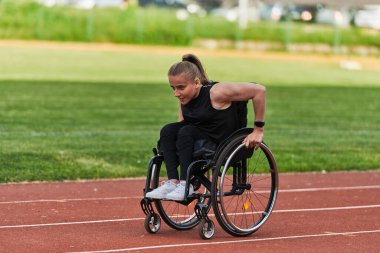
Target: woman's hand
{"type": "Point", "coordinates": [254, 139]}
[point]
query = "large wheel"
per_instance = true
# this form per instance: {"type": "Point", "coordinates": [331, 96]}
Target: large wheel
{"type": "Point", "coordinates": [178, 215]}
{"type": "Point", "coordinates": [244, 187]}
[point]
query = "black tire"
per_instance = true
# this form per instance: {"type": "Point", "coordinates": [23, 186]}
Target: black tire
{"type": "Point", "coordinates": [206, 229]}
{"type": "Point", "coordinates": [152, 223]}
{"type": "Point", "coordinates": [178, 215]}
{"type": "Point", "coordinates": [247, 198]}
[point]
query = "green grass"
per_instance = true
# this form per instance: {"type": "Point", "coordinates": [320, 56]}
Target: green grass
{"type": "Point", "coordinates": [96, 114]}
{"type": "Point", "coordinates": [137, 67]}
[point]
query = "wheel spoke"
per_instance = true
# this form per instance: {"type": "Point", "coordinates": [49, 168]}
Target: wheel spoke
{"type": "Point", "coordinates": [177, 215]}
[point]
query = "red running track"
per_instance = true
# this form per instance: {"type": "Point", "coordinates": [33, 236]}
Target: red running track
{"type": "Point", "coordinates": [315, 212]}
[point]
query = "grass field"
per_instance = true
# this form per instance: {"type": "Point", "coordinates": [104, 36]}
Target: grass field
{"type": "Point", "coordinates": [69, 114]}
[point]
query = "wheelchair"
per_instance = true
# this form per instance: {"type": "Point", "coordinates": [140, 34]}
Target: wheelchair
{"type": "Point", "coordinates": [240, 184]}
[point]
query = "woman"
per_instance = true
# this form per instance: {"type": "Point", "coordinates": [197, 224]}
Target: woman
{"type": "Point", "coordinates": [205, 112]}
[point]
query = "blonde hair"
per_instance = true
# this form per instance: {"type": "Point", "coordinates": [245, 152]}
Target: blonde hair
{"type": "Point", "coordinates": [191, 66]}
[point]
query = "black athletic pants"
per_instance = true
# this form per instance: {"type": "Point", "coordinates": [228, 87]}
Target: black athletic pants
{"type": "Point", "coordinates": [177, 144]}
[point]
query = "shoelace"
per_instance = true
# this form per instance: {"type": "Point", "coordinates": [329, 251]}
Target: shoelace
{"type": "Point", "coordinates": [179, 188]}
{"type": "Point", "coordinates": [165, 182]}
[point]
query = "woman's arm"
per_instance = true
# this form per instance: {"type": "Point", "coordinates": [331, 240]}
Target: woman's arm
{"type": "Point", "coordinates": [180, 116]}
{"type": "Point", "coordinates": [222, 95]}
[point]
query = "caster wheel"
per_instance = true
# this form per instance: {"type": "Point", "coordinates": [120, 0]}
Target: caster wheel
{"type": "Point", "coordinates": [152, 223]}
{"type": "Point", "coordinates": [206, 229]}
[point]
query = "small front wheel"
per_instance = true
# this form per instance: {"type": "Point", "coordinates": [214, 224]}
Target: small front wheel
{"type": "Point", "coordinates": [152, 223]}
{"type": "Point", "coordinates": [206, 229]}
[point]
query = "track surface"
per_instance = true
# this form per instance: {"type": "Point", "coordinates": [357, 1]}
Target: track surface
{"type": "Point", "coordinates": [332, 212]}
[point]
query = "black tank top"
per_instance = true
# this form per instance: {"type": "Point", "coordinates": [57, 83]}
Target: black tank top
{"type": "Point", "coordinates": [217, 124]}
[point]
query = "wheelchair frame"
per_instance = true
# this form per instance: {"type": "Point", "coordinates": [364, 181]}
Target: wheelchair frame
{"type": "Point", "coordinates": [231, 154]}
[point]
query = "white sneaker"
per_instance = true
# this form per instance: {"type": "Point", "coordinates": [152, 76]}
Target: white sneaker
{"type": "Point", "coordinates": [179, 192]}
{"type": "Point", "coordinates": [161, 191]}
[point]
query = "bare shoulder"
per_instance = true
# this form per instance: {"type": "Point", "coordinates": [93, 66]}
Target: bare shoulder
{"type": "Point", "coordinates": [220, 95]}
{"type": "Point", "coordinates": [223, 88]}
{"type": "Point", "coordinates": [225, 92]}
{"type": "Point", "coordinates": [219, 92]}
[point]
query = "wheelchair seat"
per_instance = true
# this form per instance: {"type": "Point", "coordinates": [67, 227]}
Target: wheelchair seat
{"type": "Point", "coordinates": [207, 150]}
{"type": "Point", "coordinates": [204, 149]}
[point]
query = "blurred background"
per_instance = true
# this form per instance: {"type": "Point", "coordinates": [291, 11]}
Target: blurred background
{"type": "Point", "coordinates": [340, 26]}
{"type": "Point", "coordinates": [84, 92]}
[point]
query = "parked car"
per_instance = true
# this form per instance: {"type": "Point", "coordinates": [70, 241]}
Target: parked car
{"type": "Point", "coordinates": [295, 12]}
{"type": "Point", "coordinates": [83, 4]}
{"type": "Point", "coordinates": [51, 3]}
{"type": "Point", "coordinates": [302, 12]}
{"type": "Point", "coordinates": [274, 12]}
{"type": "Point", "coordinates": [191, 8]}
{"type": "Point", "coordinates": [336, 17]}
{"type": "Point", "coordinates": [164, 3]}
{"type": "Point", "coordinates": [368, 17]}
{"type": "Point", "coordinates": [232, 14]}
{"type": "Point", "coordinates": [89, 4]}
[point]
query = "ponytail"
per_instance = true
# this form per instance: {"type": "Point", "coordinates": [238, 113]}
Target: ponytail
{"type": "Point", "coordinates": [191, 66]}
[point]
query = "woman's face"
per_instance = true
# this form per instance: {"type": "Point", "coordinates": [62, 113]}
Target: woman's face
{"type": "Point", "coordinates": [185, 90]}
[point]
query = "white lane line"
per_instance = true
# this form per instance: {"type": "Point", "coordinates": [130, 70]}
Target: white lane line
{"type": "Point", "coordinates": [326, 209]}
{"type": "Point", "coordinates": [70, 223]}
{"type": "Point", "coordinates": [136, 219]}
{"type": "Point", "coordinates": [364, 187]}
{"type": "Point", "coordinates": [68, 200]}
{"type": "Point", "coordinates": [165, 246]}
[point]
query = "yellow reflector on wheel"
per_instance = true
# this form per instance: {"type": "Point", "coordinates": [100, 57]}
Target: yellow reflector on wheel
{"type": "Point", "coordinates": [246, 205]}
